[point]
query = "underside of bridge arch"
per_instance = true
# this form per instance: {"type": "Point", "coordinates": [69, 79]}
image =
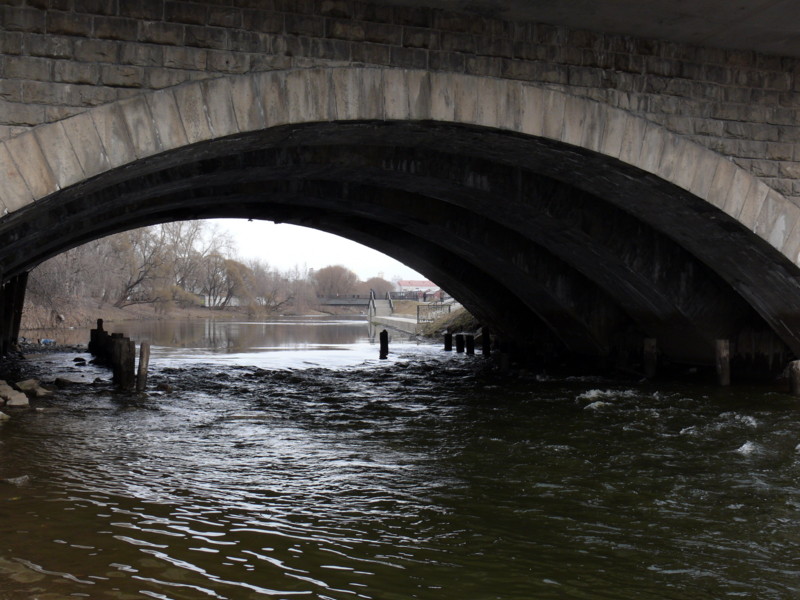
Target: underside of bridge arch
{"type": "Point", "coordinates": [566, 252]}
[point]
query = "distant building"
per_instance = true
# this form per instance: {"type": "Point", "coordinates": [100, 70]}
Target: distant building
{"type": "Point", "coordinates": [416, 285]}
{"type": "Point", "coordinates": [422, 289]}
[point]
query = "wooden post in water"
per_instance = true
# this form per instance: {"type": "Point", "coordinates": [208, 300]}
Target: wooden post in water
{"type": "Point", "coordinates": [724, 362]}
{"type": "Point", "coordinates": [486, 341]}
{"type": "Point", "coordinates": [129, 366]}
{"type": "Point", "coordinates": [94, 338]}
{"type": "Point", "coordinates": [144, 363]}
{"type": "Point", "coordinates": [123, 362]}
{"type": "Point", "coordinates": [116, 358]}
{"type": "Point", "coordinates": [448, 342]}
{"type": "Point", "coordinates": [384, 337]}
{"type": "Point", "coordinates": [469, 339]}
{"type": "Point", "coordinates": [650, 357]}
{"type": "Point", "coordinates": [460, 343]}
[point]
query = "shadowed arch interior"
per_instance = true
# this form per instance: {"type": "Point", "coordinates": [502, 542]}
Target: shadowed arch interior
{"type": "Point", "coordinates": [544, 237]}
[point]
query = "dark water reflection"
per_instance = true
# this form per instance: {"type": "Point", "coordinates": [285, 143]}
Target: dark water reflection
{"type": "Point", "coordinates": [425, 476]}
{"type": "Point", "coordinates": [252, 336]}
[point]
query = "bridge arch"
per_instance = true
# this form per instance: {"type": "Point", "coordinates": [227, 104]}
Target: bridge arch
{"type": "Point", "coordinates": [545, 213]}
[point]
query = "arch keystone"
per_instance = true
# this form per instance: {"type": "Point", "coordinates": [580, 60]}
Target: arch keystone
{"type": "Point", "coordinates": [753, 203]}
{"type": "Point", "coordinates": [307, 96]}
{"type": "Point", "coordinates": [281, 96]}
{"type": "Point", "coordinates": [141, 126]}
{"type": "Point", "coordinates": [247, 105]}
{"type": "Point", "coordinates": [553, 122]}
{"type": "Point", "coordinates": [166, 119]}
{"type": "Point", "coordinates": [219, 107]}
{"type": "Point", "coordinates": [532, 115]}
{"type": "Point", "coordinates": [443, 103]}
{"type": "Point", "coordinates": [113, 132]}
{"type": "Point", "coordinates": [192, 111]}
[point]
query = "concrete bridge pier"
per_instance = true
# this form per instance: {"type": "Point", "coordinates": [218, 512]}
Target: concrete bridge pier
{"type": "Point", "coordinates": [12, 298]}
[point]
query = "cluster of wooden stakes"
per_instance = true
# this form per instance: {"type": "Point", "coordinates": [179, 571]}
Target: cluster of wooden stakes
{"type": "Point", "coordinates": [119, 352]}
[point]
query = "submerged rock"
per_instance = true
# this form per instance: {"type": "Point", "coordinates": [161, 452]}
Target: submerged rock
{"type": "Point", "coordinates": [4, 416]}
{"type": "Point", "coordinates": [33, 388]}
{"type": "Point", "coordinates": [27, 385]}
{"type": "Point", "coordinates": [18, 481]}
{"type": "Point", "coordinates": [18, 399]}
{"type": "Point", "coordinates": [12, 397]}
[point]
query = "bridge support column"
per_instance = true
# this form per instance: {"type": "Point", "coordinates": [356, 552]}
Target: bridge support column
{"type": "Point", "coordinates": [12, 298]}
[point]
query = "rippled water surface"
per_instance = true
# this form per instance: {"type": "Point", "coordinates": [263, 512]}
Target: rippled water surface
{"type": "Point", "coordinates": [425, 476]}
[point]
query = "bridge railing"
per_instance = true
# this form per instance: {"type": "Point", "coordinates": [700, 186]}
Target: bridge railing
{"type": "Point", "coordinates": [428, 313]}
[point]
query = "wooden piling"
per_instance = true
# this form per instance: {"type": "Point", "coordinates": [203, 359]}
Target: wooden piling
{"type": "Point", "coordinates": [650, 357]}
{"type": "Point", "coordinates": [486, 341]}
{"type": "Point", "coordinates": [448, 342]}
{"type": "Point", "coordinates": [384, 337]}
{"type": "Point", "coordinates": [144, 363]}
{"type": "Point", "coordinates": [460, 343]}
{"type": "Point", "coordinates": [469, 341]}
{"type": "Point", "coordinates": [723, 362]}
{"type": "Point", "coordinates": [123, 362]}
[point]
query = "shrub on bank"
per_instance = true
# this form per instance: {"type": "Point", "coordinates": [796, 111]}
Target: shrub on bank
{"type": "Point", "coordinates": [458, 321]}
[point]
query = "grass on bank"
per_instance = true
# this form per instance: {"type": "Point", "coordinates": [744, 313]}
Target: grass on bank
{"type": "Point", "coordinates": [458, 321]}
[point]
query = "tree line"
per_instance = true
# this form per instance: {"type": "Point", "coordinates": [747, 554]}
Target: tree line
{"type": "Point", "coordinates": [183, 264]}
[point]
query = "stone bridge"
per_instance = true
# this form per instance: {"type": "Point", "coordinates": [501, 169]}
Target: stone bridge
{"type": "Point", "coordinates": [610, 189]}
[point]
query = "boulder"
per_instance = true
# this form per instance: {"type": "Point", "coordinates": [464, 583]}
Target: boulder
{"type": "Point", "coordinates": [17, 399]}
{"type": "Point", "coordinates": [27, 385]}
{"type": "Point", "coordinates": [9, 394]}
{"type": "Point", "coordinates": [4, 416]}
{"type": "Point", "coordinates": [33, 388]}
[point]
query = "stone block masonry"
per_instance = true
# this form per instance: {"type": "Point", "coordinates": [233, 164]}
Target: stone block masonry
{"type": "Point", "coordinates": [60, 57]}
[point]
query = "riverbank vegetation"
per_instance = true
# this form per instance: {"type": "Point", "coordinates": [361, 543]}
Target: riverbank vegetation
{"type": "Point", "coordinates": [184, 268]}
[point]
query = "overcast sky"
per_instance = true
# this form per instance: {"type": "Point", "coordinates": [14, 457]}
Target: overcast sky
{"type": "Point", "coordinates": [284, 246]}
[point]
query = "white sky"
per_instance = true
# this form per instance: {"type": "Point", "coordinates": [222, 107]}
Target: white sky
{"type": "Point", "coordinates": [286, 246]}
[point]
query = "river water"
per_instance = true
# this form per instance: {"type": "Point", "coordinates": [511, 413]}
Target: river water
{"type": "Point", "coordinates": [288, 462]}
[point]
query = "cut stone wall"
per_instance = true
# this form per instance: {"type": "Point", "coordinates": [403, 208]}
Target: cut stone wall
{"type": "Point", "coordinates": [59, 57]}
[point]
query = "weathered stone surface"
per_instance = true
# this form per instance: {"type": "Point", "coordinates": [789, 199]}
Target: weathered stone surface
{"type": "Point", "coordinates": [32, 165]}
{"type": "Point", "coordinates": [110, 125]}
{"type": "Point", "coordinates": [191, 105]}
{"type": "Point", "coordinates": [58, 151]}
{"type": "Point", "coordinates": [14, 193]}
{"type": "Point", "coordinates": [716, 189]}
{"type": "Point", "coordinates": [753, 204]}
{"type": "Point", "coordinates": [167, 119]}
{"type": "Point", "coordinates": [86, 144]}
{"type": "Point", "coordinates": [219, 107]}
{"type": "Point", "coordinates": [140, 126]}
{"type": "Point", "coordinates": [247, 104]}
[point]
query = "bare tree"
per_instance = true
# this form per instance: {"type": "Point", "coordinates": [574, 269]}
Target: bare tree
{"type": "Point", "coordinates": [376, 284]}
{"type": "Point", "coordinates": [335, 280]}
